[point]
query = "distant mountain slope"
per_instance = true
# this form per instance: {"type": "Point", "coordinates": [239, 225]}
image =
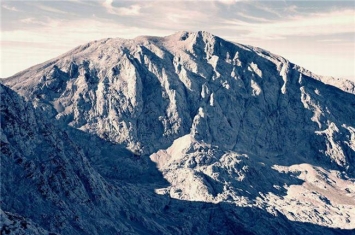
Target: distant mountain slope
{"type": "Point", "coordinates": [226, 124]}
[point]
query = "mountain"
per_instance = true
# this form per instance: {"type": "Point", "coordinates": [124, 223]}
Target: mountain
{"type": "Point", "coordinates": [184, 134]}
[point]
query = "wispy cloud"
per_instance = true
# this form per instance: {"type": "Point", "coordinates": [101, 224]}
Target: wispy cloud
{"type": "Point", "coordinates": [31, 20]}
{"type": "Point", "coordinates": [52, 31]}
{"type": "Point", "coordinates": [10, 8]}
{"type": "Point", "coordinates": [38, 25]}
{"type": "Point", "coordinates": [253, 18]}
{"type": "Point", "coordinates": [45, 22]}
{"type": "Point", "coordinates": [292, 8]}
{"type": "Point", "coordinates": [28, 20]}
{"type": "Point", "coordinates": [331, 40]}
{"type": "Point", "coordinates": [227, 2]}
{"type": "Point", "coordinates": [132, 10]}
{"type": "Point", "coordinates": [184, 16]}
{"type": "Point", "coordinates": [335, 22]}
{"type": "Point", "coordinates": [51, 9]}
{"type": "Point", "coordinates": [264, 8]}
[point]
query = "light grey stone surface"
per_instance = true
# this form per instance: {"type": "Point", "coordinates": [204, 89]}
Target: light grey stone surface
{"type": "Point", "coordinates": [184, 134]}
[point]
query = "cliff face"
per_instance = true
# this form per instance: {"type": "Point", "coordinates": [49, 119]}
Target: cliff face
{"type": "Point", "coordinates": [226, 124]}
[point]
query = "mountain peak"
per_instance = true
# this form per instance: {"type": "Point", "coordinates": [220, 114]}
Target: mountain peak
{"type": "Point", "coordinates": [186, 34]}
{"type": "Point", "coordinates": [225, 123]}
{"type": "Point", "coordinates": [192, 72]}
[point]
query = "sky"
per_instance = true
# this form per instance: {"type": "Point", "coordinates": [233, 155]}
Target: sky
{"type": "Point", "coordinates": [317, 35]}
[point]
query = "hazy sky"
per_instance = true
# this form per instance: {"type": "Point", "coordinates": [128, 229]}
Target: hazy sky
{"type": "Point", "coordinates": [318, 35]}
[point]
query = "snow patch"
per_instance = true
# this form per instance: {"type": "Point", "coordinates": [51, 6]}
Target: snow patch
{"type": "Point", "coordinates": [254, 67]}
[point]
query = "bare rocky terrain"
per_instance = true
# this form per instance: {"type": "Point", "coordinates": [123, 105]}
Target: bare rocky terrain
{"type": "Point", "coordinates": [184, 134]}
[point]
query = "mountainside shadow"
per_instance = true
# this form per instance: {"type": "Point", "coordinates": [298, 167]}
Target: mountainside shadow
{"type": "Point", "coordinates": [129, 173]}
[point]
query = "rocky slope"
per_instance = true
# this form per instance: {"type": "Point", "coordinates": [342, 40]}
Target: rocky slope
{"type": "Point", "coordinates": [67, 182]}
{"type": "Point", "coordinates": [233, 129]}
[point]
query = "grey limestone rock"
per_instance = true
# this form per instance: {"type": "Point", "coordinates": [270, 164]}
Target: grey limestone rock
{"type": "Point", "coordinates": [184, 134]}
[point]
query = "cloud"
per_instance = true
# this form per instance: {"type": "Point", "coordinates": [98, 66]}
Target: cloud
{"type": "Point", "coordinates": [331, 40]}
{"type": "Point", "coordinates": [133, 10]}
{"type": "Point", "coordinates": [335, 22]}
{"type": "Point", "coordinates": [45, 22]}
{"type": "Point", "coordinates": [235, 20]}
{"type": "Point", "coordinates": [184, 17]}
{"type": "Point", "coordinates": [51, 9]}
{"type": "Point", "coordinates": [32, 20]}
{"type": "Point", "coordinates": [227, 2]}
{"type": "Point", "coordinates": [10, 8]}
{"type": "Point", "coordinates": [253, 18]}
{"type": "Point", "coordinates": [71, 33]}
{"type": "Point", "coordinates": [267, 9]}
{"type": "Point", "coordinates": [292, 8]}
{"type": "Point", "coordinates": [188, 16]}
